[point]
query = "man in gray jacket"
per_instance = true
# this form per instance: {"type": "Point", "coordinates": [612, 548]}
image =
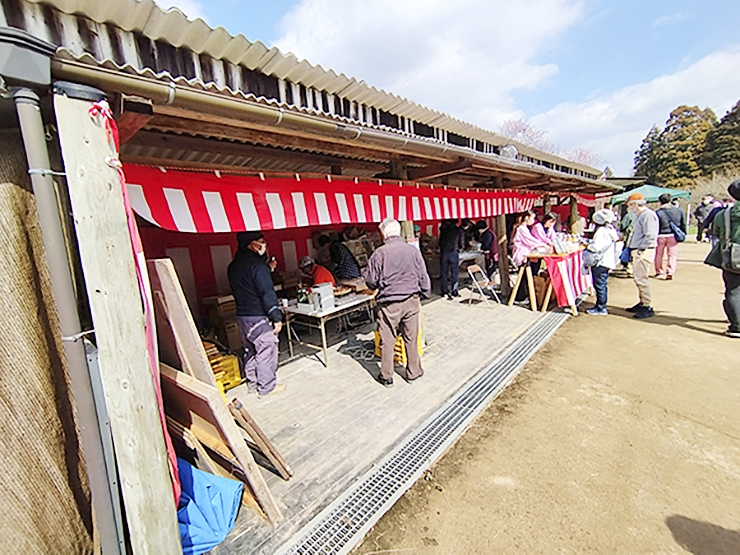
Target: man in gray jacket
{"type": "Point", "coordinates": [642, 242]}
{"type": "Point", "coordinates": [398, 272]}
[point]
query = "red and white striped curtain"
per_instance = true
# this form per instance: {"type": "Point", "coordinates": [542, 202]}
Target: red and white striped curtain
{"type": "Point", "coordinates": [200, 202]}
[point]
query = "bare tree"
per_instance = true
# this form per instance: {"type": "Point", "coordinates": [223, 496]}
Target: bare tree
{"type": "Point", "coordinates": [522, 131]}
{"type": "Point", "coordinates": [581, 155]}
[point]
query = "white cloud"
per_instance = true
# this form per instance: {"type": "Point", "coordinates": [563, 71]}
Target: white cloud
{"type": "Point", "coordinates": [672, 19]}
{"type": "Point", "coordinates": [463, 57]}
{"type": "Point", "coordinates": [191, 8]}
{"type": "Point", "coordinates": [614, 124]}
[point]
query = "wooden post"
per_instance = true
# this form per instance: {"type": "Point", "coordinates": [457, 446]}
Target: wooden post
{"type": "Point", "coordinates": [399, 170]}
{"type": "Point", "coordinates": [503, 252]}
{"type": "Point", "coordinates": [573, 218]}
{"type": "Point", "coordinates": [108, 264]}
{"type": "Point", "coordinates": [547, 203]}
{"type": "Point", "coordinates": [502, 240]}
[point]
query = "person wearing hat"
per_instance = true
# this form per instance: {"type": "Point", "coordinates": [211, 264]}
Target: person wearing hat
{"type": "Point", "coordinates": [642, 242]}
{"type": "Point", "coordinates": [731, 303]}
{"type": "Point", "coordinates": [604, 244]}
{"type": "Point", "coordinates": [318, 273]}
{"type": "Point", "coordinates": [257, 312]}
{"type": "Point", "coordinates": [667, 242]}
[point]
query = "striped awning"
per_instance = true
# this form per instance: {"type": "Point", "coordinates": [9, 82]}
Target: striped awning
{"type": "Point", "coordinates": [210, 202]}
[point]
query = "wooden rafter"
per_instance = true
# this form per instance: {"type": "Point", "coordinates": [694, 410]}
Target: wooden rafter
{"type": "Point", "coordinates": [198, 144]}
{"type": "Point", "coordinates": [434, 171]}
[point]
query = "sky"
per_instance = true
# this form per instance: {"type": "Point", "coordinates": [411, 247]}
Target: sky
{"type": "Point", "coordinates": [593, 74]}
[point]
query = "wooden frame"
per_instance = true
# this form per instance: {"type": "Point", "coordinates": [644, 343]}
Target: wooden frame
{"type": "Point", "coordinates": [199, 406]}
{"type": "Point", "coordinates": [179, 342]}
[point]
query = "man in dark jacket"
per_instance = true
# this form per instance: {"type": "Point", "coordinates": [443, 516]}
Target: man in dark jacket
{"type": "Point", "coordinates": [257, 312]}
{"type": "Point", "coordinates": [451, 242]}
{"type": "Point", "coordinates": [701, 213]}
{"type": "Point", "coordinates": [667, 242]}
{"type": "Point", "coordinates": [731, 303]}
{"type": "Point", "coordinates": [398, 272]}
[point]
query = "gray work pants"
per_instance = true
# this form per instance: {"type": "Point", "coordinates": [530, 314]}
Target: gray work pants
{"type": "Point", "coordinates": [402, 316]}
{"type": "Point", "coordinates": [260, 352]}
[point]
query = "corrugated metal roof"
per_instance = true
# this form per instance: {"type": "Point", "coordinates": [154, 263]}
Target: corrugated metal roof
{"type": "Point", "coordinates": [138, 36]}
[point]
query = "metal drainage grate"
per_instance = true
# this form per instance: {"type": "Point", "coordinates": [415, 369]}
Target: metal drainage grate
{"type": "Point", "coordinates": [341, 525]}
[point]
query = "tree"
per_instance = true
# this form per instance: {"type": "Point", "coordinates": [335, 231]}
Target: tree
{"type": "Point", "coordinates": [722, 147]}
{"type": "Point", "coordinates": [522, 131]}
{"type": "Point", "coordinates": [682, 142]}
{"type": "Point", "coordinates": [647, 158]}
{"type": "Point", "coordinates": [582, 155]}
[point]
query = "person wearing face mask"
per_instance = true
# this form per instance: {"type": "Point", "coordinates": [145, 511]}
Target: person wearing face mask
{"type": "Point", "coordinates": [257, 312]}
{"type": "Point", "coordinates": [642, 242]}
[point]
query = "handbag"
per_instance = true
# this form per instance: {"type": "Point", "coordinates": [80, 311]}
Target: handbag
{"type": "Point", "coordinates": [591, 258]}
{"type": "Point", "coordinates": [731, 252]}
{"type": "Point", "coordinates": [626, 256]}
{"type": "Point", "coordinates": [678, 233]}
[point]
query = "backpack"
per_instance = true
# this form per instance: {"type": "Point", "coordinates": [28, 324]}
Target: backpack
{"type": "Point", "coordinates": [731, 252]}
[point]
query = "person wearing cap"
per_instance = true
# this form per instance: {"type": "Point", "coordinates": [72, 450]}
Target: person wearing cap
{"type": "Point", "coordinates": [731, 303]}
{"type": "Point", "coordinates": [318, 273]}
{"type": "Point", "coordinates": [642, 242]}
{"type": "Point", "coordinates": [667, 242]}
{"type": "Point", "coordinates": [604, 244]}
{"type": "Point", "coordinates": [398, 272]}
{"type": "Point", "coordinates": [257, 312]}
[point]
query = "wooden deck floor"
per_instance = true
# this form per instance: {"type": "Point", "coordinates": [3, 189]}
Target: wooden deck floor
{"type": "Point", "coordinates": [332, 424]}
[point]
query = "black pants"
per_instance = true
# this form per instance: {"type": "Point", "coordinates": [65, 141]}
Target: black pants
{"type": "Point", "coordinates": [731, 303]}
{"type": "Point", "coordinates": [449, 272]}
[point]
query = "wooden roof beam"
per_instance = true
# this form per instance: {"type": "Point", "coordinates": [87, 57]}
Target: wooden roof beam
{"type": "Point", "coordinates": [132, 114]}
{"type": "Point", "coordinates": [434, 171]}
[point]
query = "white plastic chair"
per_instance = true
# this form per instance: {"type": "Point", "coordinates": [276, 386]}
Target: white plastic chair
{"type": "Point", "coordinates": [482, 285]}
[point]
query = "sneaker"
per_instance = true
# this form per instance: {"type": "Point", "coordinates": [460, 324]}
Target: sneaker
{"type": "Point", "coordinates": [386, 383]}
{"type": "Point", "coordinates": [637, 308]}
{"type": "Point", "coordinates": [277, 389]}
{"type": "Point", "coordinates": [645, 312]}
{"type": "Point", "coordinates": [596, 312]}
{"type": "Point", "coordinates": [733, 333]}
{"type": "Point", "coordinates": [668, 277]}
{"type": "Point", "coordinates": [251, 390]}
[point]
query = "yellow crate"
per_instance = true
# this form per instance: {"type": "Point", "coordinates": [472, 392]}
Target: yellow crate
{"type": "Point", "coordinates": [399, 349]}
{"type": "Point", "coordinates": [228, 375]}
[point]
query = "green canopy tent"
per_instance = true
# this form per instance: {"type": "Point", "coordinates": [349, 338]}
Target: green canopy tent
{"type": "Point", "coordinates": [651, 193]}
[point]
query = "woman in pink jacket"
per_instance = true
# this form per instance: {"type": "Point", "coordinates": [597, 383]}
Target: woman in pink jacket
{"type": "Point", "coordinates": [545, 231]}
{"type": "Point", "coordinates": [524, 242]}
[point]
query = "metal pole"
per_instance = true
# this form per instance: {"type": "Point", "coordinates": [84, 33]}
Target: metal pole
{"type": "Point", "coordinates": [27, 105]}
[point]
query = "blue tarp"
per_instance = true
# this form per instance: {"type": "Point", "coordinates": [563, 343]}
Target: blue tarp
{"type": "Point", "coordinates": [208, 508]}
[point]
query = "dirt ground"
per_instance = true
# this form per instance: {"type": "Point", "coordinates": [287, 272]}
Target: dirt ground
{"type": "Point", "coordinates": [620, 436]}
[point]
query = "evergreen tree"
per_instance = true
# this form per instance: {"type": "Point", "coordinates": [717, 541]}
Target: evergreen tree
{"type": "Point", "coordinates": [682, 145]}
{"type": "Point", "coordinates": [722, 147]}
{"type": "Point", "coordinates": [648, 156]}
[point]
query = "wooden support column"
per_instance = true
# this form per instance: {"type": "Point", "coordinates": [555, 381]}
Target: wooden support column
{"type": "Point", "coordinates": [547, 203]}
{"type": "Point", "coordinates": [108, 265]}
{"type": "Point", "coordinates": [399, 170]}
{"type": "Point", "coordinates": [502, 242]}
{"type": "Point", "coordinates": [573, 218]}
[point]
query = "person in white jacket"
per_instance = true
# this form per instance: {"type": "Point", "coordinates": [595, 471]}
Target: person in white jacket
{"type": "Point", "coordinates": [605, 245]}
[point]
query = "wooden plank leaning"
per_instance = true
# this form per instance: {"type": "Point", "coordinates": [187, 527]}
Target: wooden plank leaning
{"type": "Point", "coordinates": [197, 405]}
{"type": "Point", "coordinates": [180, 345]}
{"type": "Point", "coordinates": [245, 420]}
{"type": "Point", "coordinates": [107, 258]}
